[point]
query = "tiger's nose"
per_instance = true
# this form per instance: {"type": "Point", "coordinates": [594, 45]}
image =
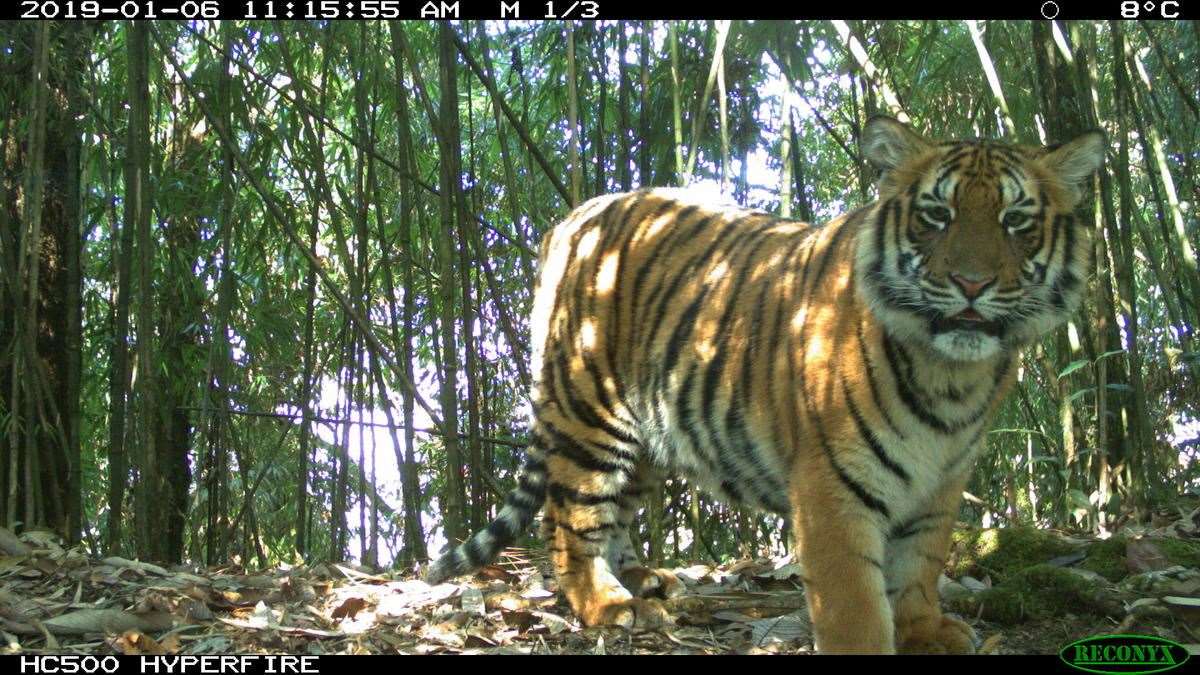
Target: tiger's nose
{"type": "Point", "coordinates": [971, 287]}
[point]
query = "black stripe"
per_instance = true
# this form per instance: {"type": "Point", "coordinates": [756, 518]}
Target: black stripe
{"type": "Point", "coordinates": [916, 525]}
{"type": "Point", "coordinates": [585, 413]}
{"type": "Point", "coordinates": [716, 368]}
{"type": "Point", "coordinates": [907, 395]}
{"type": "Point", "coordinates": [569, 448]}
{"type": "Point", "coordinates": [615, 345]}
{"type": "Point", "coordinates": [589, 533]}
{"type": "Point", "coordinates": [830, 251]}
{"type": "Point", "coordinates": [870, 438]}
{"type": "Point", "coordinates": [952, 465]}
{"type": "Point", "coordinates": [502, 532]}
{"type": "Point", "coordinates": [869, 500]}
{"type": "Point", "coordinates": [686, 321]}
{"type": "Point", "coordinates": [662, 293]}
{"type": "Point", "coordinates": [873, 384]}
{"type": "Point", "coordinates": [524, 500]}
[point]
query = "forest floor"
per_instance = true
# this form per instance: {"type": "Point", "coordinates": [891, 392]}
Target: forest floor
{"type": "Point", "coordinates": [1025, 591]}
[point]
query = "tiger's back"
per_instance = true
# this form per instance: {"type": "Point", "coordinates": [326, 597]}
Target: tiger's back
{"type": "Point", "coordinates": [635, 326]}
{"type": "Point", "coordinates": [800, 369]}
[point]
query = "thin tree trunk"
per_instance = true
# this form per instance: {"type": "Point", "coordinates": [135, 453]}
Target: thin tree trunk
{"type": "Point", "coordinates": [454, 514]}
{"type": "Point", "coordinates": [304, 453]}
{"type": "Point", "coordinates": [702, 108]}
{"type": "Point", "coordinates": [1121, 231]}
{"type": "Point", "coordinates": [643, 109]}
{"type": "Point", "coordinates": [469, 317]}
{"type": "Point", "coordinates": [137, 190]}
{"type": "Point", "coordinates": [414, 534]}
{"type": "Point", "coordinates": [785, 155]}
{"type": "Point", "coordinates": [872, 73]}
{"type": "Point", "coordinates": [676, 106]}
{"type": "Point", "coordinates": [118, 392]}
{"type": "Point", "coordinates": [723, 112]}
{"type": "Point", "coordinates": [806, 207]}
{"type": "Point", "coordinates": [989, 70]}
{"type": "Point", "coordinates": [623, 128]}
{"type": "Point", "coordinates": [601, 140]}
{"type": "Point", "coordinates": [574, 142]}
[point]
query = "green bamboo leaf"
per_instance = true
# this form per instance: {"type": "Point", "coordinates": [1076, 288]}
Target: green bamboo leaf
{"type": "Point", "coordinates": [1073, 366]}
{"type": "Point", "coordinates": [1079, 392]}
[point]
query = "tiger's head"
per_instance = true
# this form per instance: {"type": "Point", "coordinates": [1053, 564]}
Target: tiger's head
{"type": "Point", "coordinates": [974, 249]}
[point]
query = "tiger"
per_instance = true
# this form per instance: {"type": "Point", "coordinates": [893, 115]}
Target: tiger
{"type": "Point", "coordinates": [843, 375]}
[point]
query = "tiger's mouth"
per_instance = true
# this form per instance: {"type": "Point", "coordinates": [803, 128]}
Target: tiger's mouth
{"type": "Point", "coordinates": [966, 320]}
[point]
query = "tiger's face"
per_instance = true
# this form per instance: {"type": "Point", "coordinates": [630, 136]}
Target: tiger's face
{"type": "Point", "coordinates": [975, 250]}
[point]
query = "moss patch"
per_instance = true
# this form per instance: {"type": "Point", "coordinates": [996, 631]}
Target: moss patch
{"type": "Point", "coordinates": [1179, 551]}
{"type": "Point", "coordinates": [1107, 558]}
{"type": "Point", "coordinates": [1038, 591]}
{"type": "Point", "coordinates": [1001, 553]}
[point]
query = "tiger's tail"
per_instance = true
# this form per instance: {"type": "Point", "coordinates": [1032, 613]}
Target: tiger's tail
{"type": "Point", "coordinates": [520, 508]}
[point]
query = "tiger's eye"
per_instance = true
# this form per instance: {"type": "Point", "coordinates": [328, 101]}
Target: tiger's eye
{"type": "Point", "coordinates": [938, 214]}
{"type": "Point", "coordinates": [1014, 219]}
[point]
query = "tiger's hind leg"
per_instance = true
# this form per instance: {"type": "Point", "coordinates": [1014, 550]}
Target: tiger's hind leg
{"type": "Point", "coordinates": [641, 580]}
{"type": "Point", "coordinates": [588, 474]}
{"type": "Point", "coordinates": [917, 550]}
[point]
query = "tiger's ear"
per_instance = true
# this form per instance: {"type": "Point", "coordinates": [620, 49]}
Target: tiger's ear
{"type": "Point", "coordinates": [1075, 161]}
{"type": "Point", "coordinates": [888, 143]}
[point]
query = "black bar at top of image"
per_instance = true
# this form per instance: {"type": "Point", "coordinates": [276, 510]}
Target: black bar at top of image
{"type": "Point", "coordinates": [1034, 10]}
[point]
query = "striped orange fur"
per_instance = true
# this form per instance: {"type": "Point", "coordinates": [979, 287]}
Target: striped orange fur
{"type": "Point", "coordinates": [842, 374]}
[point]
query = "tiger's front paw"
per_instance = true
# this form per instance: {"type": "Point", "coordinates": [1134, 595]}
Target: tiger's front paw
{"type": "Point", "coordinates": [937, 635]}
{"type": "Point", "coordinates": [645, 582]}
{"type": "Point", "coordinates": [633, 613]}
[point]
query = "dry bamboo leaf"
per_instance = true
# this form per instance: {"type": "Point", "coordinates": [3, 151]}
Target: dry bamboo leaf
{"type": "Point", "coordinates": [553, 622]}
{"type": "Point", "coordinates": [51, 641]}
{"type": "Point", "coordinates": [43, 539]}
{"type": "Point", "coordinates": [10, 544]}
{"type": "Point", "coordinates": [351, 573]}
{"type": "Point", "coordinates": [136, 565]}
{"type": "Point", "coordinates": [471, 601]}
{"type": "Point", "coordinates": [786, 628]}
{"type": "Point", "coordinates": [107, 621]}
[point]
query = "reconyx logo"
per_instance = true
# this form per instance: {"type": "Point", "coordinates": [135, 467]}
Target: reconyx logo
{"type": "Point", "coordinates": [1126, 654]}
